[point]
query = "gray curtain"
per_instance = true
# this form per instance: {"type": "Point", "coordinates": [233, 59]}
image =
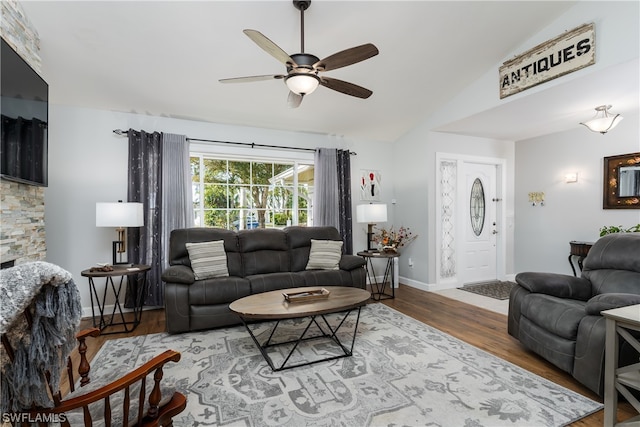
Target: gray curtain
{"type": "Point", "coordinates": [160, 178]}
{"type": "Point", "coordinates": [344, 199]}
{"type": "Point", "coordinates": [143, 243]}
{"type": "Point", "coordinates": [332, 192]}
{"type": "Point", "coordinates": [177, 205]}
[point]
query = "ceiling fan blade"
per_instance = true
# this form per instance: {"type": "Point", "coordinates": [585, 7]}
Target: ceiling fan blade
{"type": "Point", "coordinates": [345, 87]}
{"type": "Point", "coordinates": [346, 57]}
{"type": "Point", "coordinates": [294, 100]}
{"type": "Point", "coordinates": [270, 47]}
{"type": "Point", "coordinates": [251, 78]}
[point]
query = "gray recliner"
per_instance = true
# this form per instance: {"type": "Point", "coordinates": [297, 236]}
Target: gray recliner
{"type": "Point", "coordinates": [558, 316]}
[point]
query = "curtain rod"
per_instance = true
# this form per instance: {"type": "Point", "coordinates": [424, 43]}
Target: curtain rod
{"type": "Point", "coordinates": [247, 144]}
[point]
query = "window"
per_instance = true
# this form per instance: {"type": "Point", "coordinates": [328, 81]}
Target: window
{"type": "Point", "coordinates": [242, 194]}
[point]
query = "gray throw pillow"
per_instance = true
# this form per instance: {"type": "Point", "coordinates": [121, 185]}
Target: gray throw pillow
{"type": "Point", "coordinates": [324, 255]}
{"type": "Point", "coordinates": [208, 259]}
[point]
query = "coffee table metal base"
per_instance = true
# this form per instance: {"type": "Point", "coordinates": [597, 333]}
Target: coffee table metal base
{"type": "Point", "coordinates": [329, 332]}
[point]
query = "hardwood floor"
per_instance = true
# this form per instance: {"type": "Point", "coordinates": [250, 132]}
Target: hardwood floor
{"type": "Point", "coordinates": [482, 328]}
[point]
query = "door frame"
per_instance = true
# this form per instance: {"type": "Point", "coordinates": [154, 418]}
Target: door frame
{"type": "Point", "coordinates": [449, 226]}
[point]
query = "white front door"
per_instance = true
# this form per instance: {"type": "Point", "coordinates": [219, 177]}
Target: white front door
{"type": "Point", "coordinates": [479, 261]}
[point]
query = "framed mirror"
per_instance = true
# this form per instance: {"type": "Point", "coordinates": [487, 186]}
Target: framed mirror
{"type": "Point", "coordinates": [622, 181]}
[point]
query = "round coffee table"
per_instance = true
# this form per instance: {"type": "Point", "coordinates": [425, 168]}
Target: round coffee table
{"type": "Point", "coordinates": [272, 306]}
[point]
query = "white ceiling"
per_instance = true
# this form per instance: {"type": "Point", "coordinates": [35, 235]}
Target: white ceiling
{"type": "Point", "coordinates": [164, 58]}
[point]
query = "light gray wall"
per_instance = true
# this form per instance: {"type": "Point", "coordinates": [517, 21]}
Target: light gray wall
{"type": "Point", "coordinates": [415, 191]}
{"type": "Point", "coordinates": [572, 211]}
{"type": "Point", "coordinates": [88, 164]}
{"type": "Point", "coordinates": [617, 42]}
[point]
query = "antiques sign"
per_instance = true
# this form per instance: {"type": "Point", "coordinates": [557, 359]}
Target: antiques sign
{"type": "Point", "coordinates": [554, 58]}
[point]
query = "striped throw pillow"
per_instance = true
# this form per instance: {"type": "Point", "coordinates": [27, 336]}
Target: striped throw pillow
{"type": "Point", "coordinates": [208, 259]}
{"type": "Point", "coordinates": [324, 255]}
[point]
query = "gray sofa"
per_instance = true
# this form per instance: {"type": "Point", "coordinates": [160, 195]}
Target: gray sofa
{"type": "Point", "coordinates": [258, 260]}
{"type": "Point", "coordinates": [558, 316]}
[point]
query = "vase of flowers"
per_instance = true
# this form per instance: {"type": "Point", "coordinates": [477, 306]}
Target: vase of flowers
{"type": "Point", "coordinates": [390, 240]}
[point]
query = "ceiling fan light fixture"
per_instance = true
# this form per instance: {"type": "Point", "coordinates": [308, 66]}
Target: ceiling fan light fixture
{"type": "Point", "coordinates": [603, 122]}
{"type": "Point", "coordinates": [302, 83]}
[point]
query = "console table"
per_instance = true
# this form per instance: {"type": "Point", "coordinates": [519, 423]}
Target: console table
{"type": "Point", "coordinates": [119, 272]}
{"type": "Point", "coordinates": [579, 249]}
{"type": "Point", "coordinates": [378, 288]}
{"type": "Point", "coordinates": [619, 321]}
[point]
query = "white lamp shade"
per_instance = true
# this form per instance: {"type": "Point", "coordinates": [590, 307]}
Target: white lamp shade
{"type": "Point", "coordinates": [302, 84]}
{"type": "Point", "coordinates": [119, 214]}
{"type": "Point", "coordinates": [604, 121]}
{"type": "Point", "coordinates": [371, 213]}
{"type": "Point", "coordinates": [604, 124]}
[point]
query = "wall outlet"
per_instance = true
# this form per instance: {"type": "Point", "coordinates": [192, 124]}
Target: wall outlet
{"type": "Point", "coordinates": [410, 262]}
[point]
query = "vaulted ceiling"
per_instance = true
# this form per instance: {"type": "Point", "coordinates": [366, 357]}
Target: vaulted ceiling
{"type": "Point", "coordinates": [164, 58]}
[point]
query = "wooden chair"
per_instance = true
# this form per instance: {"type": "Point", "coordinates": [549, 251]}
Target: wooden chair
{"type": "Point", "coordinates": [95, 406]}
{"type": "Point", "coordinates": [32, 384]}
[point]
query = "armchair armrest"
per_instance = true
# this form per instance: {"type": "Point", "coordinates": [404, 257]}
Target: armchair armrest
{"type": "Point", "coordinates": [609, 301]}
{"type": "Point", "coordinates": [558, 285]}
{"type": "Point", "coordinates": [148, 401]}
{"type": "Point", "coordinates": [179, 274]}
{"type": "Point", "coordinates": [351, 262]}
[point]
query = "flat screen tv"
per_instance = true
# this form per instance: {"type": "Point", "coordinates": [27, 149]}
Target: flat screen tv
{"type": "Point", "coordinates": [24, 111]}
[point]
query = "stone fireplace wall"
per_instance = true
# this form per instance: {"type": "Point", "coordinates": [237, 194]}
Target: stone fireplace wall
{"type": "Point", "coordinates": [22, 232]}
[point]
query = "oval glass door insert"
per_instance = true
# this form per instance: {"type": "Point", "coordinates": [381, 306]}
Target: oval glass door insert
{"type": "Point", "coordinates": [477, 207]}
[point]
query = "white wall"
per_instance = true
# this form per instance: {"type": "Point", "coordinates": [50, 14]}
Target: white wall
{"type": "Point", "coordinates": [572, 211]}
{"type": "Point", "coordinates": [88, 164]}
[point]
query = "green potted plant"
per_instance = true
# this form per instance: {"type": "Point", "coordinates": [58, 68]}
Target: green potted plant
{"type": "Point", "coordinates": [619, 229]}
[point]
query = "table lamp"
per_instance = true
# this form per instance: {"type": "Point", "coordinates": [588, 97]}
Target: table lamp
{"type": "Point", "coordinates": [119, 215]}
{"type": "Point", "coordinates": [371, 214]}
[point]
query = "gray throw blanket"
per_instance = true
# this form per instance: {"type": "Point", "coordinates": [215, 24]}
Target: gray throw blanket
{"type": "Point", "coordinates": [52, 297]}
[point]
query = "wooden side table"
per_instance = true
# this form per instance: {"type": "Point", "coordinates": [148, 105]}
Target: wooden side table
{"type": "Point", "coordinates": [620, 379]}
{"type": "Point", "coordinates": [378, 288]}
{"type": "Point", "coordinates": [119, 272]}
{"type": "Point", "coordinates": [579, 249]}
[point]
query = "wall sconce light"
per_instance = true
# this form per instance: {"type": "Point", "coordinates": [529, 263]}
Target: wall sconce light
{"type": "Point", "coordinates": [571, 177]}
{"type": "Point", "coordinates": [371, 214]}
{"type": "Point", "coordinates": [603, 122]}
{"type": "Point", "coordinates": [119, 215]}
{"type": "Point", "coordinates": [536, 198]}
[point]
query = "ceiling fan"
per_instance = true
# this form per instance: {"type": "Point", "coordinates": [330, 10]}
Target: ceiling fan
{"type": "Point", "coordinates": [303, 69]}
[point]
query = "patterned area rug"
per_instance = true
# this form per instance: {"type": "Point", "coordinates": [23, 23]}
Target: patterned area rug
{"type": "Point", "coordinates": [497, 289]}
{"type": "Point", "coordinates": [403, 372]}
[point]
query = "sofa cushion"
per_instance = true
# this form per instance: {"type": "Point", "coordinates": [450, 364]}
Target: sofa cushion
{"type": "Point", "coordinates": [324, 255]}
{"type": "Point", "coordinates": [603, 302]}
{"type": "Point", "coordinates": [326, 278]}
{"type": "Point", "coordinates": [559, 316]}
{"type": "Point", "coordinates": [218, 290]}
{"type": "Point", "coordinates": [555, 349]}
{"type": "Point", "coordinates": [607, 281]}
{"type": "Point", "coordinates": [263, 251]}
{"type": "Point", "coordinates": [274, 281]}
{"type": "Point", "coordinates": [613, 265]}
{"type": "Point", "coordinates": [208, 259]}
